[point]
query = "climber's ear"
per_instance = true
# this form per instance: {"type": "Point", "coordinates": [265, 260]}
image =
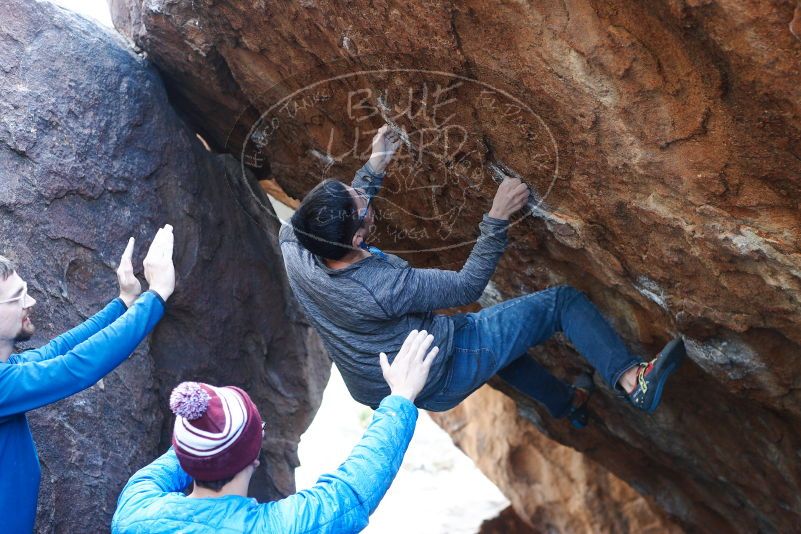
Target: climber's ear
{"type": "Point", "coordinates": [358, 238]}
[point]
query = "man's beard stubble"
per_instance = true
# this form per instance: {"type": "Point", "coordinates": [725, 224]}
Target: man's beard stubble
{"type": "Point", "coordinates": [24, 335]}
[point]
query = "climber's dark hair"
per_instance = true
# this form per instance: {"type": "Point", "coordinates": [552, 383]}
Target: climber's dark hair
{"type": "Point", "coordinates": [326, 220]}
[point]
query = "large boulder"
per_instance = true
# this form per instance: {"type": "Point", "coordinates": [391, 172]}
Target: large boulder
{"type": "Point", "coordinates": [663, 144]}
{"type": "Point", "coordinates": [91, 153]}
{"type": "Point", "coordinates": [553, 488]}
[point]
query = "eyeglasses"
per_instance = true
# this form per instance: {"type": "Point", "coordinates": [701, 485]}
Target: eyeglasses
{"type": "Point", "coordinates": [23, 296]}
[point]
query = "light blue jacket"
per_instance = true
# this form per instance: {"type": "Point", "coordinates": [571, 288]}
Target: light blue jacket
{"type": "Point", "coordinates": [340, 502]}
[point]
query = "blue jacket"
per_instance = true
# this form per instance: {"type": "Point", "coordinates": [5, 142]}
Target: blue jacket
{"type": "Point", "coordinates": [340, 502]}
{"type": "Point", "coordinates": [70, 363]}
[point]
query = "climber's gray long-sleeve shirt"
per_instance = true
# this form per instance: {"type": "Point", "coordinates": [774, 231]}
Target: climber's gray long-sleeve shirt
{"type": "Point", "coordinates": [371, 306]}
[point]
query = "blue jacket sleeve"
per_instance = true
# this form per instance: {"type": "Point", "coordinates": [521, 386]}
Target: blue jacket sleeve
{"type": "Point", "coordinates": [343, 500]}
{"type": "Point", "coordinates": [164, 475]}
{"type": "Point", "coordinates": [69, 340]}
{"type": "Point", "coordinates": [29, 385]}
{"type": "Point", "coordinates": [368, 180]}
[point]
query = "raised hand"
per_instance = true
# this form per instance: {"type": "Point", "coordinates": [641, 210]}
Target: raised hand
{"type": "Point", "coordinates": [130, 288]}
{"type": "Point", "coordinates": [409, 370]}
{"type": "Point", "coordinates": [159, 268]}
{"type": "Point", "coordinates": [385, 143]}
{"type": "Point", "coordinates": [511, 196]}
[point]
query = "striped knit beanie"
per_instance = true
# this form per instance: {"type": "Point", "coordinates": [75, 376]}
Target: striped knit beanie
{"type": "Point", "coordinates": [218, 430]}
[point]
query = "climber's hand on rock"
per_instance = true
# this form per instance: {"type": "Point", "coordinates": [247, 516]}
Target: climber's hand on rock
{"type": "Point", "coordinates": [409, 370]}
{"type": "Point", "coordinates": [130, 288]}
{"type": "Point", "coordinates": [511, 196]}
{"type": "Point", "coordinates": [385, 143]}
{"type": "Point", "coordinates": [159, 269]}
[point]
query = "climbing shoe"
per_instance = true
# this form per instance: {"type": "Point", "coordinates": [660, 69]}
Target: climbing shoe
{"type": "Point", "coordinates": [651, 376]}
{"type": "Point", "coordinates": [582, 389]}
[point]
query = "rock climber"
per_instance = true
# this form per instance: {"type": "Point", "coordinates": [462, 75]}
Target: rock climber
{"type": "Point", "coordinates": [216, 441]}
{"type": "Point", "coordinates": [68, 364]}
{"type": "Point", "coordinates": [362, 300]}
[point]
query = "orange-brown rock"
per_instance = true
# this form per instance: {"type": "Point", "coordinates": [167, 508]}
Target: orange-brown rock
{"type": "Point", "coordinates": [506, 522]}
{"type": "Point", "coordinates": [662, 141]}
{"type": "Point", "coordinates": [553, 488]}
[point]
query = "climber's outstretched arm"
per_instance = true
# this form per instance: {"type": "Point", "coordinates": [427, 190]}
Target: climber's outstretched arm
{"type": "Point", "coordinates": [425, 290]}
{"type": "Point", "coordinates": [370, 177]}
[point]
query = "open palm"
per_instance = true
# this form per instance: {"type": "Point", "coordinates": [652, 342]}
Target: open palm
{"type": "Point", "coordinates": [130, 287]}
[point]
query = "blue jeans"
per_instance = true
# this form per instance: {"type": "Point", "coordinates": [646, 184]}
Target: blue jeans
{"type": "Point", "coordinates": [495, 340]}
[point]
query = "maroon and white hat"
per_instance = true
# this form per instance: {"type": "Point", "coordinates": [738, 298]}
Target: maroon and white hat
{"type": "Point", "coordinates": [218, 430]}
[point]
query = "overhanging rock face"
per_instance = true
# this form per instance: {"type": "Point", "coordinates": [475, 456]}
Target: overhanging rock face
{"type": "Point", "coordinates": [91, 153]}
{"type": "Point", "coordinates": [553, 488]}
{"type": "Point", "coordinates": [663, 145]}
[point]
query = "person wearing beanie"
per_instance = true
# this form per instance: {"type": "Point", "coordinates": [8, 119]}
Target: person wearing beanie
{"type": "Point", "coordinates": [215, 448]}
{"type": "Point", "coordinates": [68, 364]}
{"type": "Point", "coordinates": [217, 434]}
